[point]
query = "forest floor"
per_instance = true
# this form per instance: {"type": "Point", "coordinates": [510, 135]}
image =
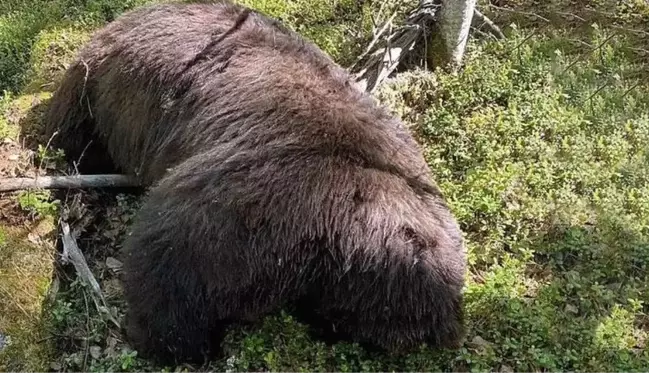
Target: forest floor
{"type": "Point", "coordinates": [540, 144]}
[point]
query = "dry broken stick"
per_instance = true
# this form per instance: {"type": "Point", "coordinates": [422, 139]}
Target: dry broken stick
{"type": "Point", "coordinates": [68, 182]}
{"type": "Point", "coordinates": [72, 253]}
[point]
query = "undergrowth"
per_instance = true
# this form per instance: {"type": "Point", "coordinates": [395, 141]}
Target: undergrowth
{"type": "Point", "coordinates": [539, 144]}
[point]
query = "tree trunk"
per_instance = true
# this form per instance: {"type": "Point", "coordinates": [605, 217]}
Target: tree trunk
{"type": "Point", "coordinates": [450, 41]}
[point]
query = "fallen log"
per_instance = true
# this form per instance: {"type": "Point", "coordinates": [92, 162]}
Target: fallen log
{"type": "Point", "coordinates": [68, 182]}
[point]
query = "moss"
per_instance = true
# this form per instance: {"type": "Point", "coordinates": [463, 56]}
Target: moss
{"type": "Point", "coordinates": [23, 115]}
{"type": "Point", "coordinates": [274, 8]}
{"type": "Point", "coordinates": [51, 54]}
{"type": "Point", "coordinates": [408, 94]}
{"type": "Point", "coordinates": [326, 23]}
{"type": "Point", "coordinates": [331, 38]}
{"type": "Point", "coordinates": [23, 103]}
{"type": "Point", "coordinates": [6, 130]}
{"type": "Point", "coordinates": [26, 268]}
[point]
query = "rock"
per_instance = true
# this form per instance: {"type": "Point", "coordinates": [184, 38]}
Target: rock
{"type": "Point", "coordinates": [95, 352]}
{"type": "Point", "coordinates": [113, 264]}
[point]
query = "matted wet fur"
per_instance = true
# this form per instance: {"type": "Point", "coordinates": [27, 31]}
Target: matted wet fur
{"type": "Point", "coordinates": [274, 182]}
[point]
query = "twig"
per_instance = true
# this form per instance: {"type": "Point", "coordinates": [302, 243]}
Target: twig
{"type": "Point", "coordinates": [83, 90]}
{"type": "Point", "coordinates": [495, 30]}
{"type": "Point", "coordinates": [630, 30]}
{"type": "Point", "coordinates": [520, 12]}
{"type": "Point", "coordinates": [567, 14]}
{"type": "Point", "coordinates": [588, 45]}
{"type": "Point", "coordinates": [375, 64]}
{"type": "Point", "coordinates": [598, 90]}
{"type": "Point", "coordinates": [11, 298]}
{"type": "Point", "coordinates": [525, 39]}
{"type": "Point", "coordinates": [641, 51]}
{"type": "Point", "coordinates": [378, 14]}
{"type": "Point", "coordinates": [591, 10]}
{"type": "Point", "coordinates": [78, 161]}
{"type": "Point", "coordinates": [65, 182]}
{"type": "Point", "coordinates": [597, 47]}
{"type": "Point", "coordinates": [386, 60]}
{"type": "Point", "coordinates": [87, 344]}
{"type": "Point", "coordinates": [376, 38]}
{"type": "Point", "coordinates": [630, 89]}
{"type": "Point", "coordinates": [47, 147]}
{"type": "Point", "coordinates": [72, 253]}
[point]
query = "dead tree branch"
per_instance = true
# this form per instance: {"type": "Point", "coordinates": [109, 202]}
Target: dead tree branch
{"type": "Point", "coordinates": [386, 51]}
{"type": "Point", "coordinates": [529, 14]}
{"type": "Point", "coordinates": [372, 69]}
{"type": "Point", "coordinates": [493, 29]}
{"type": "Point", "coordinates": [72, 253]}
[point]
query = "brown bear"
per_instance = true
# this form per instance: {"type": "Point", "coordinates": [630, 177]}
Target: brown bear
{"type": "Point", "coordinates": [273, 180]}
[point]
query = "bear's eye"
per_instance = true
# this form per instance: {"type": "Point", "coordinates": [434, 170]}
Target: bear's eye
{"type": "Point", "coordinates": [358, 197]}
{"type": "Point", "coordinates": [411, 237]}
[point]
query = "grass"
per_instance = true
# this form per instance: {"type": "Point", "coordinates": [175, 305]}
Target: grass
{"type": "Point", "coordinates": [539, 143]}
{"type": "Point", "coordinates": [25, 275]}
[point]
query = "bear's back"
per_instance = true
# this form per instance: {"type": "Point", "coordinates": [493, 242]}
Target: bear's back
{"type": "Point", "coordinates": [168, 81]}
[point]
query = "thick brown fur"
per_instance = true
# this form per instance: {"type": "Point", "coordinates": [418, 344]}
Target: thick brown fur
{"type": "Point", "coordinates": [274, 181]}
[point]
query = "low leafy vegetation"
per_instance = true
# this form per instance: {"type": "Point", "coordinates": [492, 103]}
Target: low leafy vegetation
{"type": "Point", "coordinates": [539, 143]}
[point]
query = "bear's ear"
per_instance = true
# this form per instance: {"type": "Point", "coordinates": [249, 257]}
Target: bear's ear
{"type": "Point", "coordinates": [416, 241]}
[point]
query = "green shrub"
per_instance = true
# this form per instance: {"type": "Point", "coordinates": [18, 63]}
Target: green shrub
{"type": "Point", "coordinates": [546, 171]}
{"type": "Point", "coordinates": [38, 203]}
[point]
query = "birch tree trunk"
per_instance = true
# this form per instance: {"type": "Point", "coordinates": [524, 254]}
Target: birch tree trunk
{"type": "Point", "coordinates": [455, 19]}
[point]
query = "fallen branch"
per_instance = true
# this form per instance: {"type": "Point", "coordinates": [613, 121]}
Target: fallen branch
{"type": "Point", "coordinates": [377, 37]}
{"type": "Point", "coordinates": [65, 182]}
{"type": "Point", "coordinates": [371, 68]}
{"type": "Point", "coordinates": [383, 61]}
{"type": "Point", "coordinates": [72, 253]}
{"type": "Point", "coordinates": [495, 30]}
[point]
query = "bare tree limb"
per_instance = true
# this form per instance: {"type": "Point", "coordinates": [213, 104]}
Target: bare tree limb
{"type": "Point", "coordinates": [495, 30]}
{"type": "Point", "coordinates": [373, 68]}
{"type": "Point", "coordinates": [377, 37]}
{"type": "Point", "coordinates": [65, 182]}
{"type": "Point", "coordinates": [387, 50]}
{"type": "Point", "coordinates": [530, 14]}
{"type": "Point", "coordinates": [72, 253]}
